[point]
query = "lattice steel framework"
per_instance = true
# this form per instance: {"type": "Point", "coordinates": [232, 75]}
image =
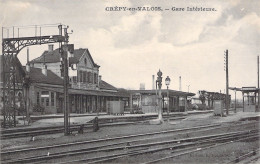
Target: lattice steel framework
{"type": "Point", "coordinates": [10, 49]}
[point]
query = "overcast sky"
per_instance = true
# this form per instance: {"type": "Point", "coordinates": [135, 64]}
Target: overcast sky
{"type": "Point", "coordinates": [130, 47]}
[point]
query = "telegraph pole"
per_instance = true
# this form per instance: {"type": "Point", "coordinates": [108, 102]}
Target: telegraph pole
{"type": "Point", "coordinates": [227, 94]}
{"type": "Point", "coordinates": [64, 56]}
{"type": "Point", "coordinates": [66, 81]}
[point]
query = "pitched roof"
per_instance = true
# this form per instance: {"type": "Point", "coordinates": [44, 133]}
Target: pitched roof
{"type": "Point", "coordinates": [54, 56]}
{"type": "Point", "coordinates": [123, 92]}
{"type": "Point", "coordinates": [105, 85]}
{"type": "Point", "coordinates": [51, 78]}
{"type": "Point", "coordinates": [36, 76]}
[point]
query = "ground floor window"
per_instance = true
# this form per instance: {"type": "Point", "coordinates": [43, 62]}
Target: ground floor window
{"type": "Point", "coordinates": [38, 98]}
{"type": "Point", "coordinates": [47, 102]}
{"type": "Point", "coordinates": [42, 101]}
{"type": "Point", "coordinates": [52, 99]}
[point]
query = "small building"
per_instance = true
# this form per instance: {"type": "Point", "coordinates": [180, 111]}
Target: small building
{"type": "Point", "coordinates": [250, 103]}
{"type": "Point", "coordinates": [206, 99]}
{"type": "Point", "coordinates": [147, 102]}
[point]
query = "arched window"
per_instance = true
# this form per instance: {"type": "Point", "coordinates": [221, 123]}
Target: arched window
{"type": "Point", "coordinates": [85, 61]}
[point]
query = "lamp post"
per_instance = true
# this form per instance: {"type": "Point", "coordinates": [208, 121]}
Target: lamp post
{"type": "Point", "coordinates": [167, 83]}
{"type": "Point", "coordinates": [159, 83]}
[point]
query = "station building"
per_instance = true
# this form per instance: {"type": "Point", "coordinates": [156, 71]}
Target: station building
{"type": "Point", "coordinates": [250, 99]}
{"type": "Point", "coordinates": [88, 93]}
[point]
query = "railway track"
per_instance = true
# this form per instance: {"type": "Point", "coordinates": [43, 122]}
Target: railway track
{"type": "Point", "coordinates": [213, 143]}
{"type": "Point", "coordinates": [174, 144]}
{"type": "Point", "coordinates": [28, 132]}
{"type": "Point", "coordinates": [107, 139]}
{"type": "Point", "coordinates": [247, 157]}
{"type": "Point", "coordinates": [53, 130]}
{"type": "Point", "coordinates": [118, 146]}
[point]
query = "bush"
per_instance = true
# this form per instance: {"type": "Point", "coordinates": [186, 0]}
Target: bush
{"type": "Point", "coordinates": [38, 108]}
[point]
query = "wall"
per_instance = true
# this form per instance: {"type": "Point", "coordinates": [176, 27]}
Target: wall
{"type": "Point", "coordinates": [46, 102]}
{"type": "Point", "coordinates": [54, 67]}
{"type": "Point", "coordinates": [87, 77]}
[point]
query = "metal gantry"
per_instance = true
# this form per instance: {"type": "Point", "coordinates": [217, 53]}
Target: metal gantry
{"type": "Point", "coordinates": [11, 46]}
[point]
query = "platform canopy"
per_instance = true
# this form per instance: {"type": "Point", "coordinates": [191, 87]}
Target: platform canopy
{"type": "Point", "coordinates": [249, 89]}
{"type": "Point", "coordinates": [164, 92]}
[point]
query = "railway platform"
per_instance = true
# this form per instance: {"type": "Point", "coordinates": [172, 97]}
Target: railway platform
{"type": "Point", "coordinates": [56, 119]}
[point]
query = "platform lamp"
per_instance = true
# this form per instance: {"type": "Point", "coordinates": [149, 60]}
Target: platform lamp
{"type": "Point", "coordinates": [167, 83]}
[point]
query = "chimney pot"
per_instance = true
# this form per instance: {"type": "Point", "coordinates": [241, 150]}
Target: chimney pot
{"type": "Point", "coordinates": [153, 83]}
{"type": "Point", "coordinates": [180, 83]}
{"type": "Point", "coordinates": [142, 86]}
{"type": "Point", "coordinates": [27, 67]}
{"type": "Point", "coordinates": [50, 47]}
{"type": "Point", "coordinates": [44, 70]}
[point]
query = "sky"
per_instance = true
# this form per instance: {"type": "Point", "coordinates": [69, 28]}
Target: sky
{"type": "Point", "coordinates": [132, 46]}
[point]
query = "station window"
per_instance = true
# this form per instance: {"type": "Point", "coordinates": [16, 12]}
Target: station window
{"type": "Point", "coordinates": [42, 101]}
{"type": "Point", "coordinates": [78, 75]}
{"type": "Point", "coordinates": [95, 78]}
{"type": "Point", "coordinates": [47, 101]}
{"type": "Point", "coordinates": [38, 98]}
{"type": "Point", "coordinates": [74, 79]}
{"type": "Point", "coordinates": [86, 76]}
{"type": "Point", "coordinates": [89, 77]}
{"type": "Point", "coordinates": [52, 99]}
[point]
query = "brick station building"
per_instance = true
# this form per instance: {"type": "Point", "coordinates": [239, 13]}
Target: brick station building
{"type": "Point", "coordinates": [88, 92]}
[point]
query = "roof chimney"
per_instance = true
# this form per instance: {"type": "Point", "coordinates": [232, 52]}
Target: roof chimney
{"type": "Point", "coordinates": [142, 86]}
{"type": "Point", "coordinates": [180, 83]}
{"type": "Point", "coordinates": [50, 47]}
{"type": "Point", "coordinates": [153, 83]}
{"type": "Point", "coordinates": [44, 70]}
{"type": "Point", "coordinates": [44, 67]}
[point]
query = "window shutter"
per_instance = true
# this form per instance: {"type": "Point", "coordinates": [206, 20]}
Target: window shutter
{"type": "Point", "coordinates": [84, 76]}
{"type": "Point", "coordinates": [78, 76]}
{"type": "Point", "coordinates": [95, 77]}
{"type": "Point", "coordinates": [91, 77]}
{"type": "Point", "coordinates": [81, 76]}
